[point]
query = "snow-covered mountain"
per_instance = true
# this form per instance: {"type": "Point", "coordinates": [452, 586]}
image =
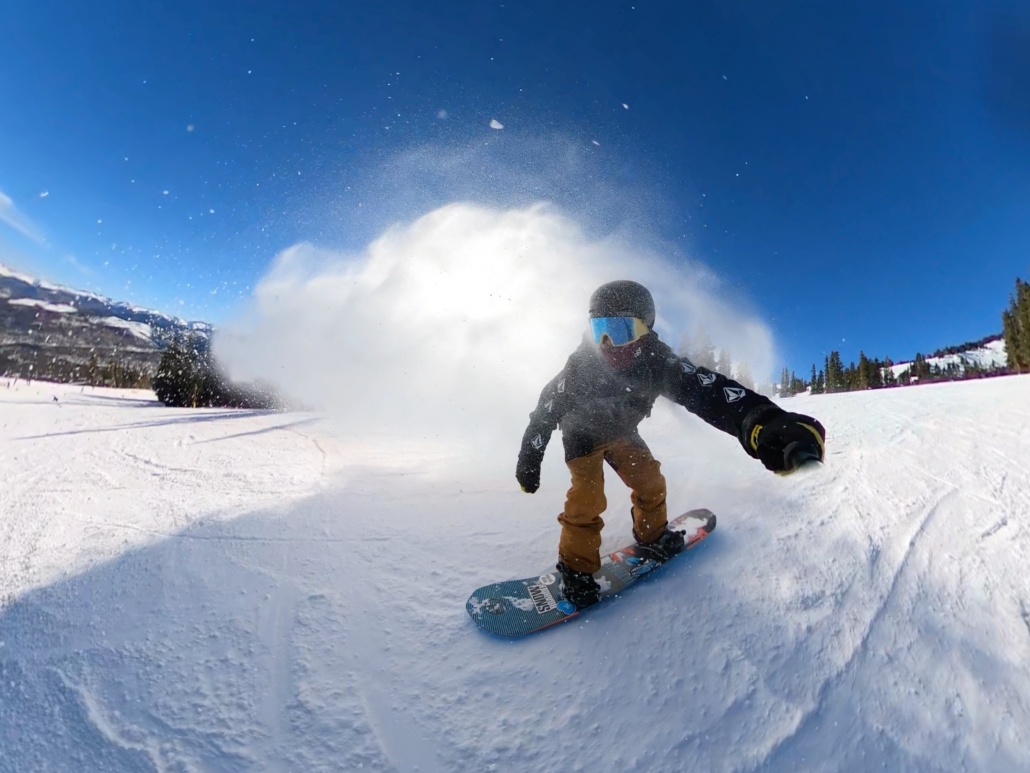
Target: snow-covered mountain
{"type": "Point", "coordinates": [51, 331]}
{"type": "Point", "coordinates": [989, 354]}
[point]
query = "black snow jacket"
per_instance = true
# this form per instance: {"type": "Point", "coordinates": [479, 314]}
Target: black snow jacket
{"type": "Point", "coordinates": [594, 404]}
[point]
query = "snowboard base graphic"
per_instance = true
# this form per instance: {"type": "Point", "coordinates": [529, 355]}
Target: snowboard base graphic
{"type": "Point", "coordinates": [518, 607]}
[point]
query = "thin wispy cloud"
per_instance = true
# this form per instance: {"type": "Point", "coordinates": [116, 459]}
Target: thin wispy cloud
{"type": "Point", "coordinates": [79, 266]}
{"type": "Point", "coordinates": [11, 216]}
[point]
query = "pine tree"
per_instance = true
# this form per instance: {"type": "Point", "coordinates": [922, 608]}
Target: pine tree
{"type": "Point", "coordinates": [686, 346]}
{"type": "Point", "coordinates": [1016, 328]}
{"type": "Point", "coordinates": [93, 370]}
{"type": "Point", "coordinates": [702, 352]}
{"type": "Point", "coordinates": [839, 375]}
{"type": "Point", "coordinates": [1011, 332]}
{"type": "Point", "coordinates": [862, 373]}
{"type": "Point", "coordinates": [796, 385]}
{"type": "Point", "coordinates": [744, 377]}
{"type": "Point", "coordinates": [188, 377]}
{"type": "Point", "coordinates": [724, 363]}
{"type": "Point", "coordinates": [888, 373]}
{"type": "Point", "coordinates": [876, 374]}
{"type": "Point", "coordinates": [784, 383]}
{"type": "Point", "coordinates": [835, 375]}
{"type": "Point", "coordinates": [1023, 317]}
{"type": "Point", "coordinates": [178, 381]}
{"type": "Point", "coordinates": [919, 370]}
{"type": "Point", "coordinates": [814, 382]}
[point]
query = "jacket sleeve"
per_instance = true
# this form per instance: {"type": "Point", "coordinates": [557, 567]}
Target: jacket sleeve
{"type": "Point", "coordinates": [720, 401]}
{"type": "Point", "coordinates": [545, 417]}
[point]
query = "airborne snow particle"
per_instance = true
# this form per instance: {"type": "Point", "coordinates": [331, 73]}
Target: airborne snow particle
{"type": "Point", "coordinates": [44, 194]}
{"type": "Point", "coordinates": [190, 127]}
{"type": "Point", "coordinates": [495, 124]}
{"type": "Point", "coordinates": [625, 105]}
{"type": "Point", "coordinates": [596, 143]}
{"type": "Point", "coordinates": [211, 211]}
{"type": "Point", "coordinates": [441, 114]}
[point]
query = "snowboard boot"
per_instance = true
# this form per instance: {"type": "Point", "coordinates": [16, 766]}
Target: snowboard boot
{"type": "Point", "coordinates": [662, 549]}
{"type": "Point", "coordinates": [578, 587]}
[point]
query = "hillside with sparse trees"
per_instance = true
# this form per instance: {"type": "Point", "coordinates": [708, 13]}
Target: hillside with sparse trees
{"type": "Point", "coordinates": [995, 355]}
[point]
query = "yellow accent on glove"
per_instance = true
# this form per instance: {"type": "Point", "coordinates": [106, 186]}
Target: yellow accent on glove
{"type": "Point", "coordinates": [818, 437]}
{"type": "Point", "coordinates": [754, 437]}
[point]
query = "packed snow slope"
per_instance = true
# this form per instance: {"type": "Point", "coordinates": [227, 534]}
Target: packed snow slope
{"type": "Point", "coordinates": [231, 591]}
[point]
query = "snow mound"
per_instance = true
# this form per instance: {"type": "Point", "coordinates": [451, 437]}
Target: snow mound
{"type": "Point", "coordinates": [230, 590]}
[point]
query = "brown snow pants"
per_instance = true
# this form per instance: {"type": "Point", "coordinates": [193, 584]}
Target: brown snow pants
{"type": "Point", "coordinates": [580, 543]}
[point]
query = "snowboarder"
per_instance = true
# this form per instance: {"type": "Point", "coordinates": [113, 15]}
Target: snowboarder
{"type": "Point", "coordinates": [607, 387]}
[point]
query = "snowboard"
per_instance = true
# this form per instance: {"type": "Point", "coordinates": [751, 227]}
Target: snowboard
{"type": "Point", "coordinates": [519, 607]}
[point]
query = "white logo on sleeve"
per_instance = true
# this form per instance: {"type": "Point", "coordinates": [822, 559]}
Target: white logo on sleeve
{"type": "Point", "coordinates": [561, 386]}
{"type": "Point", "coordinates": [537, 441]}
{"type": "Point", "coordinates": [706, 378]}
{"type": "Point", "coordinates": [688, 367]}
{"type": "Point", "coordinates": [549, 405]}
{"type": "Point", "coordinates": [733, 393]}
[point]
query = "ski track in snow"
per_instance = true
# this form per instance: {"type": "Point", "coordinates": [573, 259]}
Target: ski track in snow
{"type": "Point", "coordinates": [241, 591]}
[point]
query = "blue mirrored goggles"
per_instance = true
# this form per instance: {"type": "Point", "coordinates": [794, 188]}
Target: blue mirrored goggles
{"type": "Point", "coordinates": [619, 330]}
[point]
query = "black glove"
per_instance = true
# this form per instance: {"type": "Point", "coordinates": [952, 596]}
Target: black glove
{"type": "Point", "coordinates": [786, 441]}
{"type": "Point", "coordinates": [527, 472]}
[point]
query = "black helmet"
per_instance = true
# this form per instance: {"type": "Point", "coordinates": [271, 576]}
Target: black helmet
{"type": "Point", "coordinates": [623, 298]}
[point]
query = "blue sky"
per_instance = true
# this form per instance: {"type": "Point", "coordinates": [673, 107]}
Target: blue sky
{"type": "Point", "coordinates": [860, 171]}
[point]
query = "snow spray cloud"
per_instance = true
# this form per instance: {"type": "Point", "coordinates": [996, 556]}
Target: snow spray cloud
{"type": "Point", "coordinates": [440, 334]}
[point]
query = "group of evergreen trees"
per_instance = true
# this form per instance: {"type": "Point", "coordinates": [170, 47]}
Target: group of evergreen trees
{"type": "Point", "coordinates": [34, 364]}
{"type": "Point", "coordinates": [116, 374]}
{"type": "Point", "coordinates": [877, 374]}
{"type": "Point", "coordinates": [700, 350]}
{"type": "Point", "coordinates": [866, 374]}
{"type": "Point", "coordinates": [790, 384]}
{"type": "Point", "coordinates": [1015, 323]}
{"type": "Point", "coordinates": [188, 377]}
